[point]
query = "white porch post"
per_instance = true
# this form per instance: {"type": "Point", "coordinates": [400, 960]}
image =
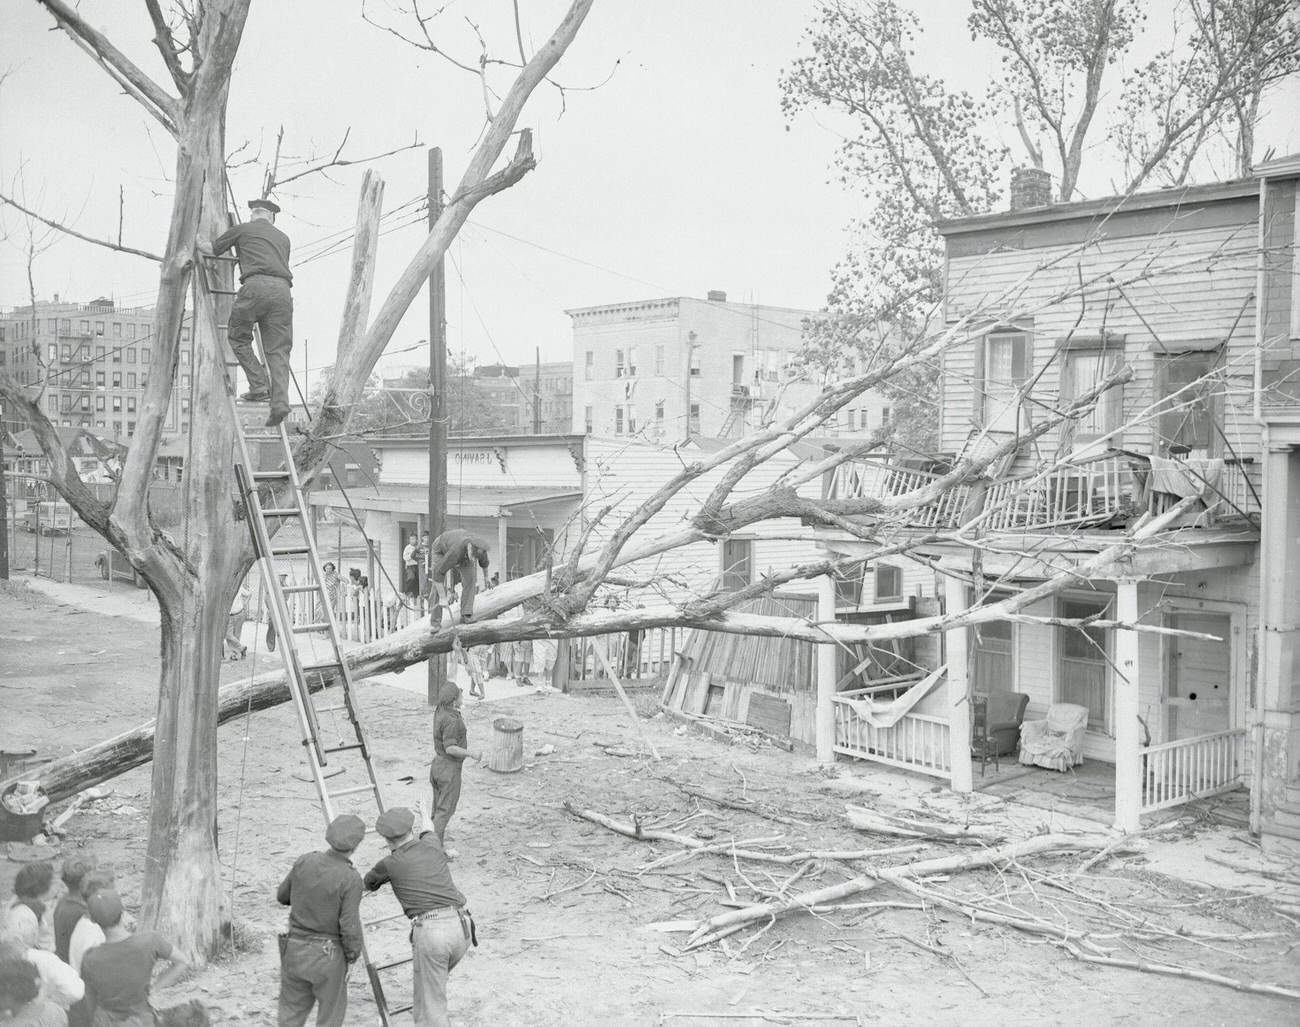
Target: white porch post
{"type": "Point", "coordinates": [827, 673]}
{"type": "Point", "coordinates": [1128, 761]}
{"type": "Point", "coordinates": [502, 528]}
{"type": "Point", "coordinates": [955, 642]}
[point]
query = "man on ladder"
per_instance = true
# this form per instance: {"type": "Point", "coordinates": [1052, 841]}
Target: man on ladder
{"type": "Point", "coordinates": [263, 300]}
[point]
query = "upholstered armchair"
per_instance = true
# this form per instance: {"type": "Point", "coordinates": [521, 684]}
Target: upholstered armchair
{"type": "Point", "coordinates": [996, 725]}
{"type": "Point", "coordinates": [1057, 742]}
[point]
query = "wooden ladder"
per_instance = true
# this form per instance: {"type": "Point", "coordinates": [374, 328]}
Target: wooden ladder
{"type": "Point", "coordinates": [262, 494]}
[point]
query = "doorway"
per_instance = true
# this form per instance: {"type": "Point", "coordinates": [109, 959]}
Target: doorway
{"type": "Point", "coordinates": [1198, 676]}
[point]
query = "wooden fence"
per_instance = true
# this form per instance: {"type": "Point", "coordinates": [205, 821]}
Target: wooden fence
{"type": "Point", "coordinates": [917, 741]}
{"type": "Point", "coordinates": [1177, 772]}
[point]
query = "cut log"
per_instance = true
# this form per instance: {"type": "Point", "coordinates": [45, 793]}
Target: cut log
{"type": "Point", "coordinates": [886, 823]}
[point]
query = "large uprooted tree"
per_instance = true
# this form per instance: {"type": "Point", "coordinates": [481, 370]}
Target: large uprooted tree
{"type": "Point", "coordinates": [194, 578]}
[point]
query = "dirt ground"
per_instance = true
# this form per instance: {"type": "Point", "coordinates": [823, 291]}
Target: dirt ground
{"type": "Point", "coordinates": [563, 905]}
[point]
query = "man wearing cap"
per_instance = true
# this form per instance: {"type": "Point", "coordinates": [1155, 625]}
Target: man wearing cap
{"type": "Point", "coordinates": [441, 927]}
{"type": "Point", "coordinates": [119, 972]}
{"type": "Point", "coordinates": [323, 893]}
{"type": "Point", "coordinates": [263, 300]}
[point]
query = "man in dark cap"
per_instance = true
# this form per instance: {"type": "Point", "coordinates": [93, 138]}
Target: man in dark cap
{"type": "Point", "coordinates": [323, 893]}
{"type": "Point", "coordinates": [263, 300]}
{"type": "Point", "coordinates": [455, 554]}
{"type": "Point", "coordinates": [118, 974]}
{"type": "Point", "coordinates": [450, 741]}
{"type": "Point", "coordinates": [441, 927]}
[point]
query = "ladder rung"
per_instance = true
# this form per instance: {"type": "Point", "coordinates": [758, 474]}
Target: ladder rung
{"type": "Point", "coordinates": [383, 920]}
{"type": "Point", "coordinates": [303, 629]}
{"type": "Point", "coordinates": [290, 550]}
{"type": "Point", "coordinates": [401, 1009]}
{"type": "Point", "coordinates": [291, 511]}
{"type": "Point", "coordinates": [288, 589]}
{"type": "Point", "coordinates": [331, 709]}
{"type": "Point", "coordinates": [270, 475]}
{"type": "Point", "coordinates": [307, 668]}
{"type": "Point", "coordinates": [344, 748]}
{"type": "Point", "coordinates": [351, 791]}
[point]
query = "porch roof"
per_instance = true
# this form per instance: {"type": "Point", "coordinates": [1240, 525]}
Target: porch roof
{"type": "Point", "coordinates": [1032, 556]}
{"type": "Point", "coordinates": [462, 500]}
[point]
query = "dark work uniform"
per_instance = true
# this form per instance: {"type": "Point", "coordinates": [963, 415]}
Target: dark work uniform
{"type": "Point", "coordinates": [117, 976]}
{"type": "Point", "coordinates": [323, 893]}
{"type": "Point", "coordinates": [422, 883]}
{"type": "Point", "coordinates": [263, 300]}
{"type": "Point", "coordinates": [70, 909]}
{"type": "Point", "coordinates": [451, 557]}
{"type": "Point", "coordinates": [445, 772]}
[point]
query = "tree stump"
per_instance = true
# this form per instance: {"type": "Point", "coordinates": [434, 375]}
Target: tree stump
{"type": "Point", "coordinates": [507, 754]}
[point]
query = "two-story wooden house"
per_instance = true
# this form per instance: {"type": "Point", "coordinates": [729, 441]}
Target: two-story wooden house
{"type": "Point", "coordinates": [1153, 527]}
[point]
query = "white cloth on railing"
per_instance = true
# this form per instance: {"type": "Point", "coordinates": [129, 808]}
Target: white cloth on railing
{"type": "Point", "coordinates": [887, 714]}
{"type": "Point", "coordinates": [1194, 478]}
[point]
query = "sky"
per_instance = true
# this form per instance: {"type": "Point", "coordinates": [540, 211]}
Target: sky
{"type": "Point", "coordinates": [665, 167]}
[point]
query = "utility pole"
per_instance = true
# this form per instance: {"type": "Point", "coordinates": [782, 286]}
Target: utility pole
{"type": "Point", "coordinates": [438, 399]}
{"type": "Point", "coordinates": [537, 392]}
{"type": "Point", "coordinates": [4, 502]}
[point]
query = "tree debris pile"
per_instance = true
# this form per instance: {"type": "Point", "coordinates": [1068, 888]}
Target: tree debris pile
{"type": "Point", "coordinates": [749, 879]}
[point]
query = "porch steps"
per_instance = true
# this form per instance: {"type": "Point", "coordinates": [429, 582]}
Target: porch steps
{"type": "Point", "coordinates": [1287, 815]}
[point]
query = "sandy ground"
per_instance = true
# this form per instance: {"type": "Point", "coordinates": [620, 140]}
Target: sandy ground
{"type": "Point", "coordinates": [564, 905]}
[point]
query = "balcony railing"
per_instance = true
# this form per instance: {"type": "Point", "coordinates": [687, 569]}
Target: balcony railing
{"type": "Point", "coordinates": [1177, 772]}
{"type": "Point", "coordinates": [1087, 492]}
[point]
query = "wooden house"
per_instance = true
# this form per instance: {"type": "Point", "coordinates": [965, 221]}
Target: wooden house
{"type": "Point", "coordinates": [1170, 500]}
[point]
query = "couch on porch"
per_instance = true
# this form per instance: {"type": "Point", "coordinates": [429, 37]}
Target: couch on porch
{"type": "Point", "coordinates": [1057, 741]}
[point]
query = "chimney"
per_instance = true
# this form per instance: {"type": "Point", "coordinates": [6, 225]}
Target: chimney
{"type": "Point", "coordinates": [717, 296]}
{"type": "Point", "coordinates": [1030, 187]}
{"type": "Point", "coordinates": [56, 297]}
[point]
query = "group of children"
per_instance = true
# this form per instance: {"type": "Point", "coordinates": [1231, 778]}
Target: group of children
{"type": "Point", "coordinates": [75, 962]}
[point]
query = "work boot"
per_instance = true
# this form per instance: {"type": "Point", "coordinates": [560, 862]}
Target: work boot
{"type": "Point", "coordinates": [255, 396]}
{"type": "Point", "coordinates": [278, 414]}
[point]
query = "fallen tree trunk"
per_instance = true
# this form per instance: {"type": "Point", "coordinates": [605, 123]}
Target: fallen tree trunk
{"type": "Point", "coordinates": [884, 823]}
{"type": "Point", "coordinates": [718, 927]}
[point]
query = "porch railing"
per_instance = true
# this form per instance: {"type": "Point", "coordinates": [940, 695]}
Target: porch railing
{"type": "Point", "coordinates": [1191, 768]}
{"type": "Point", "coordinates": [874, 479]}
{"type": "Point", "coordinates": [1087, 492]}
{"type": "Point", "coordinates": [918, 741]}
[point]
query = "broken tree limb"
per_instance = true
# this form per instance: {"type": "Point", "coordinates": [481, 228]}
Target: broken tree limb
{"type": "Point", "coordinates": [627, 703]}
{"type": "Point", "coordinates": [720, 926]}
{"type": "Point", "coordinates": [784, 858]}
{"type": "Point", "coordinates": [1183, 971]}
{"type": "Point", "coordinates": [885, 823]}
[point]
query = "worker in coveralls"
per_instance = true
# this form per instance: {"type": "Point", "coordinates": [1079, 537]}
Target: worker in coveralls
{"type": "Point", "coordinates": [264, 301]}
{"type": "Point", "coordinates": [442, 929]}
{"type": "Point", "coordinates": [323, 893]}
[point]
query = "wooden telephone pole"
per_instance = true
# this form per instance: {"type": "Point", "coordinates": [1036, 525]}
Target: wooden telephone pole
{"type": "Point", "coordinates": [438, 399]}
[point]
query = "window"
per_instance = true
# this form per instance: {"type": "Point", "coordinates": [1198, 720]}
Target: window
{"type": "Point", "coordinates": [144, 355]}
{"type": "Point", "coordinates": [992, 647]}
{"type": "Point", "coordinates": [185, 381]}
{"type": "Point", "coordinates": [695, 364]}
{"type": "Point", "coordinates": [52, 403]}
{"type": "Point", "coordinates": [587, 419]}
{"type": "Point", "coordinates": [100, 405]}
{"type": "Point", "coordinates": [659, 415]}
{"type": "Point", "coordinates": [737, 369]}
{"type": "Point", "coordinates": [1086, 365]}
{"type": "Point", "coordinates": [631, 363]}
{"type": "Point", "coordinates": [99, 352]}
{"type": "Point", "coordinates": [130, 404]}
{"type": "Point", "coordinates": [117, 425]}
{"type": "Point", "coordinates": [67, 351]}
{"type": "Point", "coordinates": [737, 563]}
{"type": "Point", "coordinates": [185, 404]}
{"type": "Point", "coordinates": [65, 325]}
{"type": "Point", "coordinates": [50, 325]}
{"type": "Point", "coordinates": [99, 327]}
{"type": "Point", "coordinates": [659, 359]}
{"type": "Point", "coordinates": [884, 417]}
{"type": "Point", "coordinates": [84, 326]}
{"type": "Point", "coordinates": [889, 583]}
{"type": "Point", "coordinates": [130, 355]}
{"type": "Point", "coordinates": [1189, 396]}
{"type": "Point", "coordinates": [589, 366]}
{"type": "Point", "coordinates": [693, 424]}
{"type": "Point", "coordinates": [144, 381]}
{"type": "Point", "coordinates": [99, 379]}
{"type": "Point", "coordinates": [1085, 662]}
{"type": "Point", "coordinates": [848, 585]}
{"type": "Point", "coordinates": [117, 404]}
{"type": "Point", "coordinates": [130, 331]}
{"type": "Point", "coordinates": [618, 363]}
{"type": "Point", "coordinates": [65, 403]}
{"type": "Point", "coordinates": [848, 419]}
{"type": "Point", "coordinates": [631, 419]}
{"type": "Point", "coordinates": [52, 352]}
{"type": "Point", "coordinates": [130, 380]}
{"type": "Point", "coordinates": [117, 329]}
{"type": "Point", "coordinates": [1001, 370]}
{"type": "Point", "coordinates": [117, 379]}
{"type": "Point", "coordinates": [185, 356]}
{"type": "Point", "coordinates": [185, 333]}
{"type": "Point", "coordinates": [618, 420]}
{"type": "Point", "coordinates": [85, 403]}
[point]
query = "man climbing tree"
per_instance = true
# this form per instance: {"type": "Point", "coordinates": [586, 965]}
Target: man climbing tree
{"type": "Point", "coordinates": [264, 301]}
